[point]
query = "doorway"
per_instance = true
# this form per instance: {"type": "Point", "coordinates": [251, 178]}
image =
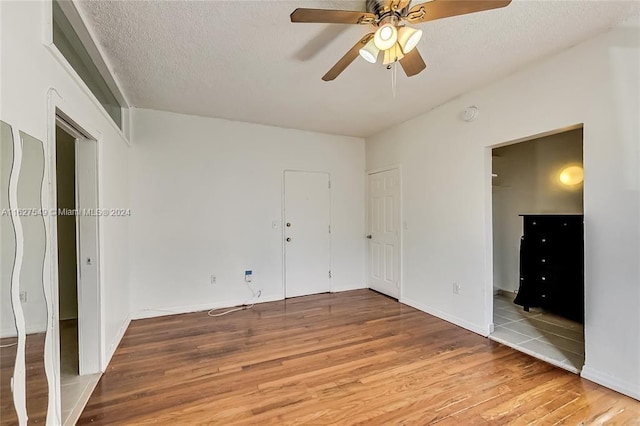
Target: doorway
{"type": "Point", "coordinates": [383, 231]}
{"type": "Point", "coordinates": [538, 247]}
{"type": "Point", "coordinates": [67, 255]}
{"type": "Point", "coordinates": [307, 232]}
{"type": "Point", "coordinates": [77, 267]}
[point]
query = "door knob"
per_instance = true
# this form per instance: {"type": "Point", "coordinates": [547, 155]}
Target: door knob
{"type": "Point", "coordinates": [369, 236]}
{"type": "Point", "coordinates": [288, 239]}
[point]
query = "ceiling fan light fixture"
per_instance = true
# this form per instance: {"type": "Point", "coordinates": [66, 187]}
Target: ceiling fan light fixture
{"type": "Point", "coordinates": [392, 55]}
{"type": "Point", "coordinates": [386, 36]}
{"type": "Point", "coordinates": [408, 38]}
{"type": "Point", "coordinates": [370, 52]}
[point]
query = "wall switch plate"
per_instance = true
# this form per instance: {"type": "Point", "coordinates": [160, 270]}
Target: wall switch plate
{"type": "Point", "coordinates": [456, 288]}
{"type": "Point", "coordinates": [213, 279]}
{"type": "Point", "coordinates": [248, 275]}
{"type": "Point", "coordinates": [23, 296]}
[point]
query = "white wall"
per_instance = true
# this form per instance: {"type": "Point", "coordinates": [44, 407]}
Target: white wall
{"type": "Point", "coordinates": [28, 72]}
{"type": "Point", "coordinates": [204, 195]}
{"type": "Point", "coordinates": [447, 192]}
{"type": "Point", "coordinates": [528, 181]}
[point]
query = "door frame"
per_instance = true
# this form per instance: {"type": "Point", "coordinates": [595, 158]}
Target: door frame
{"type": "Point", "coordinates": [282, 230]}
{"type": "Point", "coordinates": [89, 356]}
{"type": "Point", "coordinates": [369, 172]}
{"type": "Point", "coordinates": [488, 185]}
{"type": "Point", "coordinates": [59, 113]}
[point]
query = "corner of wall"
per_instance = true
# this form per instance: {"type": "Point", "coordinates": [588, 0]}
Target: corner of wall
{"type": "Point", "coordinates": [115, 343]}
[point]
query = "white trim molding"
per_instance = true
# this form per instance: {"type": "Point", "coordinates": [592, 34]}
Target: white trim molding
{"type": "Point", "coordinates": [628, 388]}
{"type": "Point", "coordinates": [47, 41]}
{"type": "Point", "coordinates": [114, 345]}
{"type": "Point", "coordinates": [482, 330]}
{"type": "Point", "coordinates": [161, 312]}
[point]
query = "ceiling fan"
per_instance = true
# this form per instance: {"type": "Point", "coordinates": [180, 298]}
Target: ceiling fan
{"type": "Point", "coordinates": [393, 36]}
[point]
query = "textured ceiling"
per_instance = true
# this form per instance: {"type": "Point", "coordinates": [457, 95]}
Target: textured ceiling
{"type": "Point", "coordinates": [244, 60]}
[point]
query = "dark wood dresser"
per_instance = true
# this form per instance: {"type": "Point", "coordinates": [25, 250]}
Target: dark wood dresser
{"type": "Point", "coordinates": [552, 264]}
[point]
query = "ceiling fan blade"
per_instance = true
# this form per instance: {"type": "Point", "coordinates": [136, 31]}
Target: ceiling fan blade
{"type": "Point", "coordinates": [325, 16]}
{"type": "Point", "coordinates": [346, 60]}
{"type": "Point", "coordinates": [412, 63]}
{"type": "Point", "coordinates": [438, 9]}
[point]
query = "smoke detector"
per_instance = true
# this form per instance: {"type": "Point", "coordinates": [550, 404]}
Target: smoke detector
{"type": "Point", "coordinates": [470, 113]}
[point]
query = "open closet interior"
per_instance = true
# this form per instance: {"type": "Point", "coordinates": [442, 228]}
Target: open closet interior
{"type": "Point", "coordinates": [538, 235]}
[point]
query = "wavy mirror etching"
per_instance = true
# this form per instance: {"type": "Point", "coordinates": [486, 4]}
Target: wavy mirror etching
{"type": "Point", "coordinates": [31, 274]}
{"type": "Point", "coordinates": [8, 330]}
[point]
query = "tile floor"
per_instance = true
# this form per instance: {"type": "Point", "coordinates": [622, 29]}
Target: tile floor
{"type": "Point", "coordinates": [546, 336]}
{"type": "Point", "coordinates": [75, 389]}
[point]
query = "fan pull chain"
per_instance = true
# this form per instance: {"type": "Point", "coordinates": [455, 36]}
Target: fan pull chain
{"type": "Point", "coordinates": [394, 78]}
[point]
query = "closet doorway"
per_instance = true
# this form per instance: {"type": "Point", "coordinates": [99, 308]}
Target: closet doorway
{"type": "Point", "coordinates": [77, 244]}
{"type": "Point", "coordinates": [538, 247]}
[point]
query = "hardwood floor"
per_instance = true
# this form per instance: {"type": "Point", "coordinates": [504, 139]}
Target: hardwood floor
{"type": "Point", "coordinates": [7, 364]}
{"type": "Point", "coordinates": [36, 380]}
{"type": "Point", "coordinates": [344, 358]}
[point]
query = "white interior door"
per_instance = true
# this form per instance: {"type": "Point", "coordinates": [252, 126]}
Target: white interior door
{"type": "Point", "coordinates": [88, 256]}
{"type": "Point", "coordinates": [307, 230]}
{"type": "Point", "coordinates": [384, 232]}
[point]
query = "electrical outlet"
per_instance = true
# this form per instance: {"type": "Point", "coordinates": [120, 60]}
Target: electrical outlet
{"type": "Point", "coordinates": [23, 296]}
{"type": "Point", "coordinates": [213, 279]}
{"type": "Point", "coordinates": [456, 288]}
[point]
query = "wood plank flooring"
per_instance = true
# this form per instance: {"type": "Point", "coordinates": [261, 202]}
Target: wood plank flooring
{"type": "Point", "coordinates": [344, 358]}
{"type": "Point", "coordinates": [7, 364]}
{"type": "Point", "coordinates": [36, 380]}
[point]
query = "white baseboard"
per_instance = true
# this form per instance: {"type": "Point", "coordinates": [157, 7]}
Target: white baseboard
{"type": "Point", "coordinates": [483, 330]}
{"type": "Point", "coordinates": [176, 310]}
{"type": "Point", "coordinates": [115, 343]}
{"type": "Point", "coordinates": [187, 309]}
{"type": "Point", "coordinates": [348, 288]}
{"type": "Point", "coordinates": [30, 329]}
{"type": "Point", "coordinates": [618, 385]}
{"type": "Point", "coordinates": [8, 332]}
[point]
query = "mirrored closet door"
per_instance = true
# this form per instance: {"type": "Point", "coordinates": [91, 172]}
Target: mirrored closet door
{"type": "Point", "coordinates": [34, 304]}
{"type": "Point", "coordinates": [8, 330]}
{"type": "Point", "coordinates": [24, 388]}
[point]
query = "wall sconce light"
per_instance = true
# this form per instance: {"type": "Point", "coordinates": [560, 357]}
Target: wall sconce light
{"type": "Point", "coordinates": [571, 176]}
